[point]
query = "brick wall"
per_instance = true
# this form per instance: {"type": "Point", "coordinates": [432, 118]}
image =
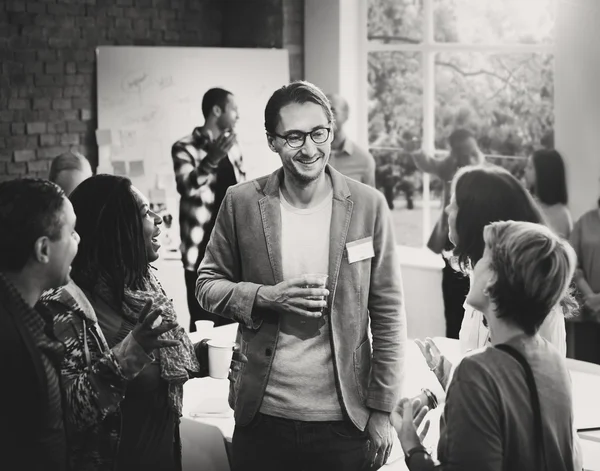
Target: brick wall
{"type": "Point", "coordinates": [47, 52]}
{"type": "Point", "coordinates": [266, 24]}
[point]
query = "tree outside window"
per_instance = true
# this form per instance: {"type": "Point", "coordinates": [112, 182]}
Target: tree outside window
{"type": "Point", "coordinates": [491, 70]}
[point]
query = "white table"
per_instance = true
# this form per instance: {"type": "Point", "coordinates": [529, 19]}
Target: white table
{"type": "Point", "coordinates": [585, 377]}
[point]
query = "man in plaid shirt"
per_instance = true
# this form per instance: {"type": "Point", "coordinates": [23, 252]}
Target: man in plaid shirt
{"type": "Point", "coordinates": [206, 163]}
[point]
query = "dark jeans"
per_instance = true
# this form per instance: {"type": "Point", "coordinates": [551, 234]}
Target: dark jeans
{"type": "Point", "coordinates": [274, 444]}
{"type": "Point", "coordinates": [196, 312]}
{"type": "Point", "coordinates": [455, 287]}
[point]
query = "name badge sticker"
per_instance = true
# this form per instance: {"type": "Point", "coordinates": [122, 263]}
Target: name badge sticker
{"type": "Point", "coordinates": [360, 249]}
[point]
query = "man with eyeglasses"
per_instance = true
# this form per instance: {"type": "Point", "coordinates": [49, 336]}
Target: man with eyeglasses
{"type": "Point", "coordinates": [316, 392]}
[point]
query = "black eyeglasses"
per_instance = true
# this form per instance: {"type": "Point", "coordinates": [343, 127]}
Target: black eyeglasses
{"type": "Point", "coordinates": [296, 139]}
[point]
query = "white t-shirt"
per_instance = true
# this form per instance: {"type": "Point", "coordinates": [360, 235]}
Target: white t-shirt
{"type": "Point", "coordinates": [301, 385]}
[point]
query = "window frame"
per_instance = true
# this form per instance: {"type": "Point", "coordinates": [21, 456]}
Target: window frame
{"type": "Point", "coordinates": [428, 48]}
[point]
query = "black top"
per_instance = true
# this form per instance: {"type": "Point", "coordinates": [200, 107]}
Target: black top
{"type": "Point", "coordinates": [149, 431]}
{"type": "Point", "coordinates": [31, 421]}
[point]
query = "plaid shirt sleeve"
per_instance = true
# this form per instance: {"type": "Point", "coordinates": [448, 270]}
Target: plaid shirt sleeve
{"type": "Point", "coordinates": [191, 169]}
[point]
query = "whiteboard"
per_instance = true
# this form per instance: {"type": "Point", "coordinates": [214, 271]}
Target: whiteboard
{"type": "Point", "coordinates": [150, 97]}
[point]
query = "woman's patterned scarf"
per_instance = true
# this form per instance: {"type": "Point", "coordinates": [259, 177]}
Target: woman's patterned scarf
{"type": "Point", "coordinates": [176, 363]}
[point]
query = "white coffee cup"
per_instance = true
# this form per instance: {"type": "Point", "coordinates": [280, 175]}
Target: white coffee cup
{"type": "Point", "coordinates": [220, 354]}
{"type": "Point", "coordinates": [204, 328]}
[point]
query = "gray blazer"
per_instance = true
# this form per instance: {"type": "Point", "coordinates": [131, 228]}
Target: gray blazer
{"type": "Point", "coordinates": [244, 253]}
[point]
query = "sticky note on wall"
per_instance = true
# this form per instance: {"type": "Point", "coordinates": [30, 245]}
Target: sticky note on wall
{"type": "Point", "coordinates": [119, 168]}
{"type": "Point", "coordinates": [136, 168]}
{"type": "Point", "coordinates": [103, 137]}
{"type": "Point", "coordinates": [108, 137]}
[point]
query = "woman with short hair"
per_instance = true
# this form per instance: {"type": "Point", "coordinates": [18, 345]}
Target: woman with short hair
{"type": "Point", "coordinates": [508, 406]}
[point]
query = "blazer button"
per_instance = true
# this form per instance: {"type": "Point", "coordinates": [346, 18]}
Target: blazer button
{"type": "Point", "coordinates": [268, 352]}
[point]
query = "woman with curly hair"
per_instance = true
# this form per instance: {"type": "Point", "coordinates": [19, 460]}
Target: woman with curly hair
{"type": "Point", "coordinates": [126, 357]}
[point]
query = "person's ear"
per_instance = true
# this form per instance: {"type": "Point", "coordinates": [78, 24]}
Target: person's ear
{"type": "Point", "coordinates": [271, 143]}
{"type": "Point", "coordinates": [488, 287]}
{"type": "Point", "coordinates": [41, 250]}
{"type": "Point", "coordinates": [217, 111]}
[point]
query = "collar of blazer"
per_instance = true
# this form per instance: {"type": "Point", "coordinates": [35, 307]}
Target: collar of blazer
{"type": "Point", "coordinates": [338, 182]}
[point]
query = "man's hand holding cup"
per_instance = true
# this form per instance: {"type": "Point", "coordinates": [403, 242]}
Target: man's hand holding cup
{"type": "Point", "coordinates": [304, 296]}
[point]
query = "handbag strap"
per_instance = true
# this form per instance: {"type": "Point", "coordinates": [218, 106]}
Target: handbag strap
{"type": "Point", "coordinates": [535, 402]}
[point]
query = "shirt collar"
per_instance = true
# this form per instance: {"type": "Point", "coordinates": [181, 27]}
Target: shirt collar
{"type": "Point", "coordinates": [346, 148]}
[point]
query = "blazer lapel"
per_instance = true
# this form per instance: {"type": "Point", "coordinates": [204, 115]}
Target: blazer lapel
{"type": "Point", "coordinates": [270, 212]}
{"type": "Point", "coordinates": [341, 215]}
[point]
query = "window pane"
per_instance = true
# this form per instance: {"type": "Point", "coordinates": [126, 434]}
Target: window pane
{"type": "Point", "coordinates": [395, 124]}
{"type": "Point", "coordinates": [399, 180]}
{"type": "Point", "coordinates": [494, 21]}
{"type": "Point", "coordinates": [395, 21]}
{"type": "Point", "coordinates": [506, 99]}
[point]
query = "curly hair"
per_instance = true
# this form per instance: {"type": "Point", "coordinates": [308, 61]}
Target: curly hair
{"type": "Point", "coordinates": [111, 232]}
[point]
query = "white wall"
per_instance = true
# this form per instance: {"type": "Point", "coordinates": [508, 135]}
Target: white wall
{"type": "Point", "coordinates": [333, 59]}
{"type": "Point", "coordinates": [577, 99]}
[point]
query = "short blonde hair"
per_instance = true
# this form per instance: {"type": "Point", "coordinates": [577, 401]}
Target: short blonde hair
{"type": "Point", "coordinates": [533, 270]}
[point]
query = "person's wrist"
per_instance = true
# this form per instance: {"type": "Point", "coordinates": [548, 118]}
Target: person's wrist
{"type": "Point", "coordinates": [437, 365]}
{"type": "Point", "coordinates": [412, 452]}
{"type": "Point", "coordinates": [208, 164]}
{"type": "Point", "coordinates": [262, 300]}
{"type": "Point", "coordinates": [380, 414]}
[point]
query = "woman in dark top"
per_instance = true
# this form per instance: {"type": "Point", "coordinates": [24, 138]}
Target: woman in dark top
{"type": "Point", "coordinates": [545, 179]}
{"type": "Point", "coordinates": [463, 151]}
{"type": "Point", "coordinates": [490, 420]}
{"type": "Point", "coordinates": [127, 358]}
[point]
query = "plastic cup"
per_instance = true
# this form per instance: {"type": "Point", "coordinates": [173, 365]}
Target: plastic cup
{"type": "Point", "coordinates": [204, 328]}
{"type": "Point", "coordinates": [220, 354]}
{"type": "Point", "coordinates": [321, 283]}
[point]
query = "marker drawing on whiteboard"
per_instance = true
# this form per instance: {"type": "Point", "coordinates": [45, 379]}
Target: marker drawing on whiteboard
{"type": "Point", "coordinates": [128, 137]}
{"type": "Point", "coordinates": [165, 82]}
{"type": "Point", "coordinates": [144, 117]}
{"type": "Point", "coordinates": [136, 82]}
